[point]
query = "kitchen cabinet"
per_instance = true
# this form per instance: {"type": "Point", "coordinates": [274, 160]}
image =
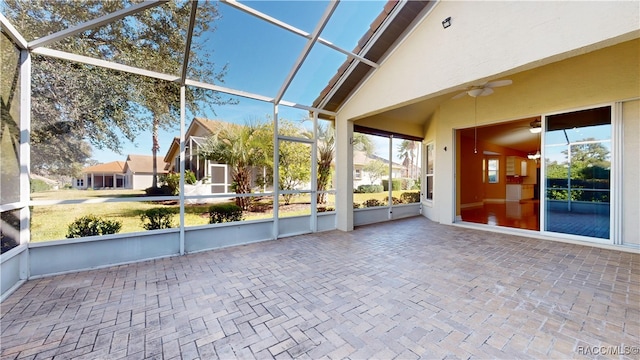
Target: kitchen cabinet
{"type": "Point", "coordinates": [517, 192]}
{"type": "Point", "coordinates": [516, 166]}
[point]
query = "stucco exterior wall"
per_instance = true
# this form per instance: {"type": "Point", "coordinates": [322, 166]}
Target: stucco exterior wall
{"type": "Point", "coordinates": [141, 181]}
{"type": "Point", "coordinates": [488, 39]}
{"type": "Point", "coordinates": [631, 173]}
{"type": "Point", "coordinates": [597, 78]}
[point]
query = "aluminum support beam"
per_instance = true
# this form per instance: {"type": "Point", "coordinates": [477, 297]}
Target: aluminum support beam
{"type": "Point", "coordinates": [307, 49]}
{"type": "Point", "coordinates": [183, 106]}
{"type": "Point", "coordinates": [103, 20]}
{"type": "Point", "coordinates": [296, 31]}
{"type": "Point", "coordinates": [187, 50]}
{"type": "Point", "coordinates": [13, 33]}
{"type": "Point", "coordinates": [103, 63]}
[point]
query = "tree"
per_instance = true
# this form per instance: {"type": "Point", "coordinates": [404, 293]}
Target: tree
{"type": "Point", "coordinates": [73, 104]}
{"type": "Point", "coordinates": [407, 149]}
{"type": "Point", "coordinates": [242, 148]}
{"type": "Point", "coordinates": [294, 160]}
{"type": "Point", "coordinates": [376, 170]}
{"type": "Point", "coordinates": [326, 152]}
{"type": "Point", "coordinates": [590, 160]}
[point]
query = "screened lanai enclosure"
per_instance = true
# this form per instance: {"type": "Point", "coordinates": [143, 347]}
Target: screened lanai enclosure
{"type": "Point", "coordinates": [113, 84]}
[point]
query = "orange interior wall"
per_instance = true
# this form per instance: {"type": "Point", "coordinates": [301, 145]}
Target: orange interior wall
{"type": "Point", "coordinates": [472, 189]}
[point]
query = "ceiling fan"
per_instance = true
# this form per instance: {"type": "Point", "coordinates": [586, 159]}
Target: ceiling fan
{"type": "Point", "coordinates": [535, 127]}
{"type": "Point", "coordinates": [484, 89]}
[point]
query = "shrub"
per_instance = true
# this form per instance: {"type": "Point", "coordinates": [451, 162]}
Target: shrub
{"type": "Point", "coordinates": [396, 184]}
{"type": "Point", "coordinates": [157, 218]}
{"type": "Point", "coordinates": [407, 183]}
{"type": "Point", "coordinates": [92, 225]}
{"type": "Point", "coordinates": [416, 185]}
{"type": "Point", "coordinates": [38, 185]}
{"type": "Point", "coordinates": [372, 203]}
{"type": "Point", "coordinates": [10, 234]}
{"type": "Point", "coordinates": [220, 213]}
{"type": "Point", "coordinates": [356, 205]}
{"type": "Point", "coordinates": [158, 191]}
{"type": "Point", "coordinates": [172, 181]}
{"type": "Point", "coordinates": [394, 200]}
{"type": "Point", "coordinates": [410, 197]}
{"type": "Point", "coordinates": [369, 189]}
{"type": "Point", "coordinates": [325, 209]}
{"type": "Point", "coordinates": [189, 177]}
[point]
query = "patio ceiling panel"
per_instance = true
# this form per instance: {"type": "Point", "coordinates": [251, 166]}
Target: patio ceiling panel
{"type": "Point", "coordinates": [62, 15]}
{"type": "Point", "coordinates": [130, 40]}
{"type": "Point", "coordinates": [12, 32]}
{"type": "Point", "coordinates": [242, 49]}
{"type": "Point", "coordinates": [103, 20]}
{"type": "Point", "coordinates": [303, 33]}
{"type": "Point", "coordinates": [313, 74]}
{"type": "Point", "coordinates": [307, 49]}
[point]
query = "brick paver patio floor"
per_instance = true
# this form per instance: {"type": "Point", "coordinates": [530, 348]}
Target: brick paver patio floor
{"type": "Point", "coordinates": [404, 289]}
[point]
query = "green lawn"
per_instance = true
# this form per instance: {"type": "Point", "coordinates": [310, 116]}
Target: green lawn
{"type": "Point", "coordinates": [51, 222]}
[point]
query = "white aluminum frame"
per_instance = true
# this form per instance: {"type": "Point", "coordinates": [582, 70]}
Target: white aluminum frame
{"type": "Point", "coordinates": [39, 47]}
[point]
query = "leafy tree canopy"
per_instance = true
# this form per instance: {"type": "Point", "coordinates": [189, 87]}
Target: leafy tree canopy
{"type": "Point", "coordinates": [74, 105]}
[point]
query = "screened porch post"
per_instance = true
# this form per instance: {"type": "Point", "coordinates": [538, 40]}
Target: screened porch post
{"type": "Point", "coordinates": [344, 174]}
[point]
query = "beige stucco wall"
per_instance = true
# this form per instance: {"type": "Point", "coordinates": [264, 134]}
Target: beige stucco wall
{"type": "Point", "coordinates": [597, 78]}
{"type": "Point", "coordinates": [631, 172]}
{"type": "Point", "coordinates": [488, 39]}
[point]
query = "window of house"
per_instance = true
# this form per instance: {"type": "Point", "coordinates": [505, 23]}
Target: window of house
{"type": "Point", "coordinates": [492, 171]}
{"type": "Point", "coordinates": [79, 182]}
{"type": "Point", "coordinates": [358, 174]}
{"type": "Point", "coordinates": [430, 155]}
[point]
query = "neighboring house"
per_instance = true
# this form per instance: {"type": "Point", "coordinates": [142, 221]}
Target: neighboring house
{"type": "Point", "coordinates": [134, 173]}
{"type": "Point", "coordinates": [218, 175]}
{"type": "Point", "coordinates": [362, 177]}
{"type": "Point", "coordinates": [138, 171]}
{"type": "Point", "coordinates": [102, 176]}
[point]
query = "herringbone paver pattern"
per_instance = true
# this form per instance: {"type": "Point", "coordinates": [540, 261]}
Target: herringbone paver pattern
{"type": "Point", "coordinates": [405, 289]}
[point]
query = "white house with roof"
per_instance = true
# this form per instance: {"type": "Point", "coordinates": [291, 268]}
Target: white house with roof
{"type": "Point", "coordinates": [134, 173]}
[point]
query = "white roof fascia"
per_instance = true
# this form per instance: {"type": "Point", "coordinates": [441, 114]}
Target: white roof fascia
{"type": "Point", "coordinates": [366, 48]}
{"type": "Point", "coordinates": [13, 33]}
{"type": "Point", "coordinates": [103, 63]}
{"type": "Point", "coordinates": [187, 49]}
{"type": "Point", "coordinates": [297, 31]}
{"type": "Point", "coordinates": [307, 49]}
{"type": "Point", "coordinates": [102, 20]}
{"type": "Point", "coordinates": [424, 14]}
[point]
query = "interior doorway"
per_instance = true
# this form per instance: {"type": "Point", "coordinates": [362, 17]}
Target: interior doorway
{"type": "Point", "coordinates": [499, 174]}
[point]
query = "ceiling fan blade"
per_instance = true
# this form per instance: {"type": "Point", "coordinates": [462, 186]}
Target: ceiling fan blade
{"type": "Point", "coordinates": [498, 83]}
{"type": "Point", "coordinates": [486, 91]}
{"type": "Point", "coordinates": [462, 94]}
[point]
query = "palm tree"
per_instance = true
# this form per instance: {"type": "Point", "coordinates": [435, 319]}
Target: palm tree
{"type": "Point", "coordinates": [241, 148]}
{"type": "Point", "coordinates": [407, 153]}
{"type": "Point", "coordinates": [326, 153]}
{"type": "Point", "coordinates": [326, 150]}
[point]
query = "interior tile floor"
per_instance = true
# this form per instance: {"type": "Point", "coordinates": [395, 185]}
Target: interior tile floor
{"type": "Point", "coordinates": [513, 214]}
{"type": "Point", "coordinates": [526, 215]}
{"type": "Point", "coordinates": [404, 289]}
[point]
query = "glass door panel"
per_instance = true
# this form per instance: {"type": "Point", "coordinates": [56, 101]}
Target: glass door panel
{"type": "Point", "coordinates": [578, 172]}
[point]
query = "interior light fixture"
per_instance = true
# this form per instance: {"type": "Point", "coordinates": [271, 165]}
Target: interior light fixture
{"type": "Point", "coordinates": [535, 127]}
{"type": "Point", "coordinates": [535, 156]}
{"type": "Point", "coordinates": [446, 22]}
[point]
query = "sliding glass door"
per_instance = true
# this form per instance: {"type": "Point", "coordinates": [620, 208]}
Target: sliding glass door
{"type": "Point", "coordinates": [578, 173]}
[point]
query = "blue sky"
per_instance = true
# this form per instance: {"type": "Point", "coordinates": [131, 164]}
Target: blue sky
{"type": "Point", "coordinates": [260, 55]}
